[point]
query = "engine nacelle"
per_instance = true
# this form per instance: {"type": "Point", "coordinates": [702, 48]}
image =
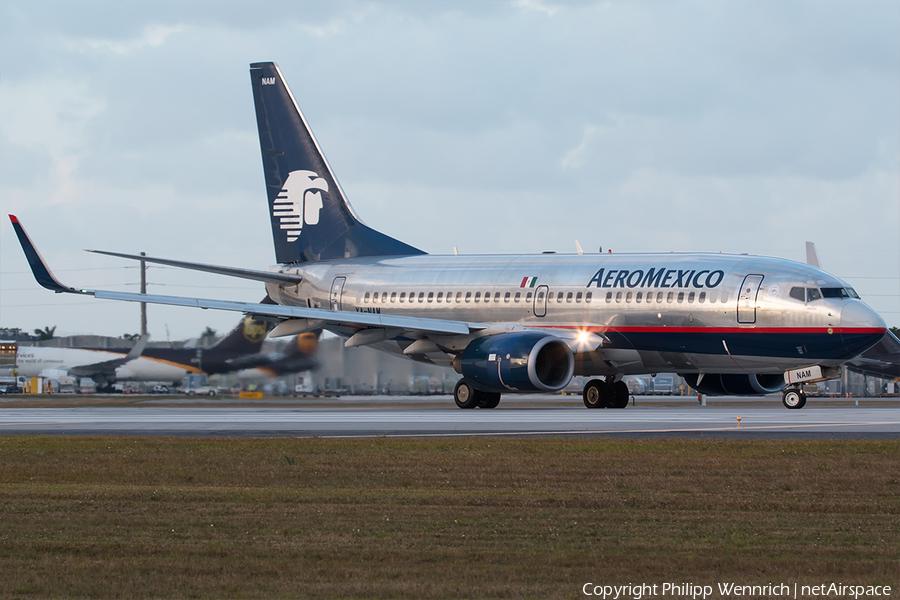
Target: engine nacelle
{"type": "Point", "coordinates": [522, 361]}
{"type": "Point", "coordinates": [735, 384]}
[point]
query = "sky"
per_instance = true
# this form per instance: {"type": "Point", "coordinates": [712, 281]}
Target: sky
{"type": "Point", "coordinates": [493, 127]}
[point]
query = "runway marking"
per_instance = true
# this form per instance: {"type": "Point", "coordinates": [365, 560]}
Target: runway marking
{"type": "Point", "coordinates": [44, 423]}
{"type": "Point", "coordinates": [595, 431]}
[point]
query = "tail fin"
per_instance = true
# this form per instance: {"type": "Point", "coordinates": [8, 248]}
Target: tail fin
{"type": "Point", "coordinates": [246, 338]}
{"type": "Point", "coordinates": [311, 218]}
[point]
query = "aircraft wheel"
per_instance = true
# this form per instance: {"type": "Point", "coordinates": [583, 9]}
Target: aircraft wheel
{"type": "Point", "coordinates": [620, 394]}
{"type": "Point", "coordinates": [793, 399]}
{"type": "Point", "coordinates": [465, 395]}
{"type": "Point", "coordinates": [596, 394]}
{"type": "Point", "coordinates": [489, 400]}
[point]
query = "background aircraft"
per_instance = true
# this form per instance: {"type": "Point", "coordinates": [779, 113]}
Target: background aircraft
{"type": "Point", "coordinates": [238, 350]}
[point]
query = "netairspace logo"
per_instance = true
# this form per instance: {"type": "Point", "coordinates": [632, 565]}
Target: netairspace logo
{"type": "Point", "coordinates": [729, 590]}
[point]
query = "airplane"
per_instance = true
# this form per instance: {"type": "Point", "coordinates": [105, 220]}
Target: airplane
{"type": "Point", "coordinates": [729, 324]}
{"type": "Point", "coordinates": [238, 350]}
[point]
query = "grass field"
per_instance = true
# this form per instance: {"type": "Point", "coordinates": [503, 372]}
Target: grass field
{"type": "Point", "coordinates": [101, 517]}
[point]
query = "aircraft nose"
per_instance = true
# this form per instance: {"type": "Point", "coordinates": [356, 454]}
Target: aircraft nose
{"type": "Point", "coordinates": [861, 327]}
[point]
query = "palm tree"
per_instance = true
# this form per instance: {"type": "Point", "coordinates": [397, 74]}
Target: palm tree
{"type": "Point", "coordinates": [46, 333]}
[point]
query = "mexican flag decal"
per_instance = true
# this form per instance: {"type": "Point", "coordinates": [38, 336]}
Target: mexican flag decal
{"type": "Point", "coordinates": [528, 282]}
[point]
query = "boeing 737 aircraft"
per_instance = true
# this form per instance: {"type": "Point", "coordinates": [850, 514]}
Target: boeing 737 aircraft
{"type": "Point", "coordinates": [730, 324]}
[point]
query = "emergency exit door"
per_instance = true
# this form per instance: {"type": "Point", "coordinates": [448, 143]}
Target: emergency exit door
{"type": "Point", "coordinates": [746, 312]}
{"type": "Point", "coordinates": [337, 290]}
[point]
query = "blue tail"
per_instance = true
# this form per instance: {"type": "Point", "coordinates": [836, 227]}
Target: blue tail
{"type": "Point", "coordinates": [311, 218]}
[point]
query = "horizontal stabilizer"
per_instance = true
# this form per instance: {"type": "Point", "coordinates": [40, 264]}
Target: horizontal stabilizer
{"type": "Point", "coordinates": [256, 275]}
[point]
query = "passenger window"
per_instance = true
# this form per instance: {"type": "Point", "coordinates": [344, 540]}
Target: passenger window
{"type": "Point", "coordinates": [497, 296]}
{"type": "Point", "coordinates": [618, 296]}
{"type": "Point", "coordinates": [431, 296]}
{"type": "Point", "coordinates": [569, 296]}
{"type": "Point", "coordinates": [724, 297]}
{"type": "Point", "coordinates": [402, 296]}
{"type": "Point", "coordinates": [578, 297]}
{"type": "Point", "coordinates": [528, 297]}
{"type": "Point", "coordinates": [670, 297]}
{"type": "Point", "coordinates": [459, 297]}
{"type": "Point", "coordinates": [517, 296]}
{"type": "Point", "coordinates": [393, 297]}
{"type": "Point", "coordinates": [712, 297]}
{"type": "Point", "coordinates": [691, 298]}
{"type": "Point", "coordinates": [506, 297]}
{"type": "Point", "coordinates": [375, 297]}
{"type": "Point", "coordinates": [550, 297]}
{"type": "Point", "coordinates": [440, 296]}
{"type": "Point", "coordinates": [639, 297]}
{"type": "Point", "coordinates": [421, 296]}
{"type": "Point", "coordinates": [366, 297]}
{"type": "Point", "coordinates": [701, 298]}
{"type": "Point", "coordinates": [812, 294]}
{"type": "Point", "coordinates": [628, 297]}
{"type": "Point", "coordinates": [477, 296]}
{"type": "Point", "coordinates": [680, 297]}
{"type": "Point", "coordinates": [468, 296]}
{"type": "Point", "coordinates": [384, 297]}
{"type": "Point", "coordinates": [540, 297]}
{"type": "Point", "coordinates": [609, 296]}
{"type": "Point", "coordinates": [659, 297]}
{"type": "Point", "coordinates": [587, 297]}
{"type": "Point", "coordinates": [559, 297]}
{"type": "Point", "coordinates": [487, 297]}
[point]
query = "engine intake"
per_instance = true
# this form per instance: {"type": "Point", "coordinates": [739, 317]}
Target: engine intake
{"type": "Point", "coordinates": [523, 361]}
{"type": "Point", "coordinates": [735, 384]}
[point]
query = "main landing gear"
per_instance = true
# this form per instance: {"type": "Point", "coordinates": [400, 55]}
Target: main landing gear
{"type": "Point", "coordinates": [467, 396]}
{"type": "Point", "coordinates": [605, 394]}
{"type": "Point", "coordinates": [793, 398]}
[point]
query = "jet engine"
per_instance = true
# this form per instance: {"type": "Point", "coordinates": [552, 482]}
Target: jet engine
{"type": "Point", "coordinates": [734, 384]}
{"type": "Point", "coordinates": [524, 361]}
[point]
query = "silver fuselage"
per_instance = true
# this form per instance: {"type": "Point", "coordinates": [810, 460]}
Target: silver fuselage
{"type": "Point", "coordinates": [690, 313]}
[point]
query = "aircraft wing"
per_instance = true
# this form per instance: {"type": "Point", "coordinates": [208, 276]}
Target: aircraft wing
{"type": "Point", "coordinates": [108, 367]}
{"type": "Point", "coordinates": [881, 360]}
{"type": "Point", "coordinates": [311, 317]}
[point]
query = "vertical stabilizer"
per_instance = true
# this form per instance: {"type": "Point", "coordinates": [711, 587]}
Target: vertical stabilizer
{"type": "Point", "coordinates": [311, 218]}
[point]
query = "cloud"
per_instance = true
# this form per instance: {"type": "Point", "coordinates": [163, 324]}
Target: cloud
{"type": "Point", "coordinates": [153, 36]}
{"type": "Point", "coordinates": [537, 5]}
{"type": "Point", "coordinates": [575, 157]}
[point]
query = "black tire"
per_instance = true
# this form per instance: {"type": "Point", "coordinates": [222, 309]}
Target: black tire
{"type": "Point", "coordinates": [596, 394]}
{"type": "Point", "coordinates": [211, 392]}
{"type": "Point", "coordinates": [620, 394]}
{"type": "Point", "coordinates": [465, 395]}
{"type": "Point", "coordinates": [489, 400]}
{"type": "Point", "coordinates": [793, 399]}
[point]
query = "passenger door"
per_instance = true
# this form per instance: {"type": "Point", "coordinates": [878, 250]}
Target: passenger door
{"type": "Point", "coordinates": [746, 312]}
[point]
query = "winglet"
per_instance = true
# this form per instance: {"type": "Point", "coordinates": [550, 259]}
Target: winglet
{"type": "Point", "coordinates": [39, 268]}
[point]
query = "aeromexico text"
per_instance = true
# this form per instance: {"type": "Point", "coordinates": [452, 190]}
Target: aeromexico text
{"type": "Point", "coordinates": [656, 278]}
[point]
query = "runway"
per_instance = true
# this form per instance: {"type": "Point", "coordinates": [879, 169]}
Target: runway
{"type": "Point", "coordinates": [436, 419]}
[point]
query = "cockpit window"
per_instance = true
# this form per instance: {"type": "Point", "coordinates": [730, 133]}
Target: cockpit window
{"type": "Point", "coordinates": [798, 293]}
{"type": "Point", "coordinates": [812, 294]}
{"type": "Point", "coordinates": [839, 292]}
{"type": "Point", "coordinates": [835, 293]}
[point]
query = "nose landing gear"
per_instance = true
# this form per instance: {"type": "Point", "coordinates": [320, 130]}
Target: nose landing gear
{"type": "Point", "coordinates": [793, 398]}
